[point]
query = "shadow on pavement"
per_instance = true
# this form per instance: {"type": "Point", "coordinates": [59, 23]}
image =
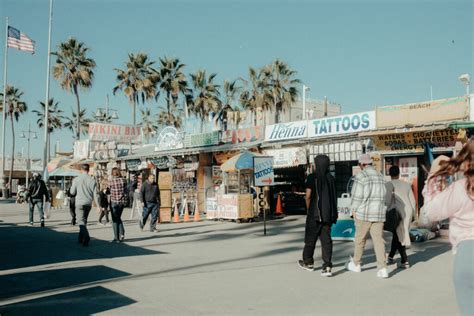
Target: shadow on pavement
{"type": "Point", "coordinates": [24, 246]}
{"type": "Point", "coordinates": [38, 281]}
{"type": "Point", "coordinates": [81, 302]}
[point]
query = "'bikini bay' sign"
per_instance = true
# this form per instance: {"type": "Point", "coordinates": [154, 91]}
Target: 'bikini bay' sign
{"type": "Point", "coordinates": [342, 124]}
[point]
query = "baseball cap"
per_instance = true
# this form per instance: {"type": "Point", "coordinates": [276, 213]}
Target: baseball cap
{"type": "Point", "coordinates": [365, 159]}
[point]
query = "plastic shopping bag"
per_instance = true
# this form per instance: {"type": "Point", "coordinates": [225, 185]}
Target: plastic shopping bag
{"type": "Point", "coordinates": [47, 210]}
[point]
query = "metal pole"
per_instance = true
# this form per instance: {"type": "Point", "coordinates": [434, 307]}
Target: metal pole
{"type": "Point", "coordinates": [2, 171]}
{"type": "Point", "coordinates": [28, 162]}
{"type": "Point", "coordinates": [304, 102]}
{"type": "Point", "coordinates": [46, 107]}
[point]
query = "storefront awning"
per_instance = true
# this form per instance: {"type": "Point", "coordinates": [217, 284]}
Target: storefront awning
{"type": "Point", "coordinates": [405, 129]}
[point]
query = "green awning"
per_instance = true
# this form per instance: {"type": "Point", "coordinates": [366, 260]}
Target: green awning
{"type": "Point", "coordinates": [462, 124]}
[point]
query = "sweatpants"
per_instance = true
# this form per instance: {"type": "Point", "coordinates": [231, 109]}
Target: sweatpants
{"type": "Point", "coordinates": [316, 230]}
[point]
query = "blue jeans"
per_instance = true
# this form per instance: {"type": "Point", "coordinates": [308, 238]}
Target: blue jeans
{"type": "Point", "coordinates": [39, 204]}
{"type": "Point", "coordinates": [117, 224]}
{"type": "Point", "coordinates": [464, 277]}
{"type": "Point", "coordinates": [152, 208]}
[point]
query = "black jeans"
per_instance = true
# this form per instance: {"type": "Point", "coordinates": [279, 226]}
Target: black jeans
{"type": "Point", "coordinates": [82, 212]}
{"type": "Point", "coordinates": [152, 208]}
{"type": "Point", "coordinates": [313, 231]}
{"type": "Point", "coordinates": [396, 245]}
{"type": "Point", "coordinates": [117, 224]}
{"type": "Point", "coordinates": [104, 212]}
{"type": "Point", "coordinates": [36, 203]}
{"type": "Point", "coordinates": [72, 211]}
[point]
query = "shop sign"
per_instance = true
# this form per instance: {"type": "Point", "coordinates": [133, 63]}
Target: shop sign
{"type": "Point", "coordinates": [243, 135]}
{"type": "Point", "coordinates": [286, 131]}
{"type": "Point", "coordinates": [287, 157]}
{"type": "Point", "coordinates": [343, 124]}
{"type": "Point", "coordinates": [198, 140]}
{"type": "Point", "coordinates": [114, 132]}
{"type": "Point", "coordinates": [161, 162]}
{"type": "Point", "coordinates": [263, 171]}
{"type": "Point", "coordinates": [228, 206]}
{"type": "Point", "coordinates": [133, 165]}
{"type": "Point", "coordinates": [122, 152]}
{"type": "Point", "coordinates": [81, 149]}
{"type": "Point", "coordinates": [423, 113]}
{"type": "Point", "coordinates": [169, 138]}
{"type": "Point", "coordinates": [344, 229]}
{"type": "Point", "coordinates": [211, 208]}
{"type": "Point", "coordinates": [415, 140]}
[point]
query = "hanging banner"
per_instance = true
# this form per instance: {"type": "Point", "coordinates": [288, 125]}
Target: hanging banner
{"type": "Point", "coordinates": [114, 132]}
{"type": "Point", "coordinates": [243, 135]}
{"type": "Point", "coordinates": [286, 131]}
{"type": "Point", "coordinates": [423, 112]}
{"type": "Point", "coordinates": [415, 140]}
{"type": "Point", "coordinates": [132, 165]}
{"type": "Point", "coordinates": [343, 124]}
{"type": "Point", "coordinates": [287, 157]}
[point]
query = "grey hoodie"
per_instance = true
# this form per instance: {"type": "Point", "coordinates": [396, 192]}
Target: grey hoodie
{"type": "Point", "coordinates": [84, 188]}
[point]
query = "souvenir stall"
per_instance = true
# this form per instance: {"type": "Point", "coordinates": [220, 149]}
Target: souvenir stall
{"type": "Point", "coordinates": [235, 200]}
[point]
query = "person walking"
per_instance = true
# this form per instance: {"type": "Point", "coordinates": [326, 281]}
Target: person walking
{"type": "Point", "coordinates": [400, 196]}
{"type": "Point", "coordinates": [84, 188]}
{"type": "Point", "coordinates": [368, 209]}
{"type": "Point", "coordinates": [131, 187]}
{"type": "Point", "coordinates": [151, 202]}
{"type": "Point", "coordinates": [37, 193]}
{"type": "Point", "coordinates": [321, 206]}
{"type": "Point", "coordinates": [72, 206]}
{"type": "Point", "coordinates": [118, 198]}
{"type": "Point", "coordinates": [104, 203]}
{"type": "Point", "coordinates": [456, 202]}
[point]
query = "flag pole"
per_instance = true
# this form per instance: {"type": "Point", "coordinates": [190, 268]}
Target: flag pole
{"type": "Point", "coordinates": [2, 171]}
{"type": "Point", "coordinates": [46, 103]}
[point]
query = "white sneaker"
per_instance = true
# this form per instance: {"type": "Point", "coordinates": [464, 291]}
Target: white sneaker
{"type": "Point", "coordinates": [382, 273]}
{"type": "Point", "coordinates": [352, 267]}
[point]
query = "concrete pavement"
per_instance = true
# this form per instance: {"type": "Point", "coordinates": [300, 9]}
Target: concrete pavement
{"type": "Point", "coordinates": [205, 268]}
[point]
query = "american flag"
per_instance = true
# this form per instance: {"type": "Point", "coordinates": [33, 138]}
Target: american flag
{"type": "Point", "coordinates": [20, 41]}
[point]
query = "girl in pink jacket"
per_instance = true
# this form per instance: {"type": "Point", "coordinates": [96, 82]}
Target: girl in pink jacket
{"type": "Point", "coordinates": [456, 202]}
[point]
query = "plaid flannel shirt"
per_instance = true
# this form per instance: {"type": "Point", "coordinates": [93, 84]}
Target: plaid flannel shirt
{"type": "Point", "coordinates": [117, 190]}
{"type": "Point", "coordinates": [368, 196]}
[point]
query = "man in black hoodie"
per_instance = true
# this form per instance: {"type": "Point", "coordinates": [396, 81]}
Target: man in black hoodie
{"type": "Point", "coordinates": [37, 191]}
{"type": "Point", "coordinates": [321, 206]}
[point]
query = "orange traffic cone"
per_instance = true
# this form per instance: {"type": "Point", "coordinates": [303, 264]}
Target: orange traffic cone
{"type": "Point", "coordinates": [279, 207]}
{"type": "Point", "coordinates": [186, 212]}
{"type": "Point", "coordinates": [176, 213]}
{"type": "Point", "coordinates": [197, 216]}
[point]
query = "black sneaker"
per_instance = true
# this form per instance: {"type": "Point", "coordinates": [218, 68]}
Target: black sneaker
{"type": "Point", "coordinates": [308, 267]}
{"type": "Point", "coordinates": [326, 272]}
{"type": "Point", "coordinates": [42, 224]}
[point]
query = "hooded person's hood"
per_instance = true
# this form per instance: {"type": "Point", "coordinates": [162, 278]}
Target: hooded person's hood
{"type": "Point", "coordinates": [321, 163]}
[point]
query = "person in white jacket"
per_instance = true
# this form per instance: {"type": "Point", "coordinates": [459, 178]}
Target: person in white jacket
{"type": "Point", "coordinates": [400, 196]}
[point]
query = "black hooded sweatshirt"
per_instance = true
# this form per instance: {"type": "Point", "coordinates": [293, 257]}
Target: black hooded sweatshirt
{"type": "Point", "coordinates": [323, 204]}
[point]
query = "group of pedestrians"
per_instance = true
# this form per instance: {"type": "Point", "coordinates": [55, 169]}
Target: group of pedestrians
{"type": "Point", "coordinates": [110, 196]}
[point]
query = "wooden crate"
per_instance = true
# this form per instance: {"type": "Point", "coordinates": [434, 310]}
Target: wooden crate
{"type": "Point", "coordinates": [165, 215]}
{"type": "Point", "coordinates": [165, 198]}
{"type": "Point", "coordinates": [165, 180]}
{"type": "Point", "coordinates": [246, 206]}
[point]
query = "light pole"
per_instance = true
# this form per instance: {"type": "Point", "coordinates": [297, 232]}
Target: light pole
{"type": "Point", "coordinates": [466, 80]}
{"type": "Point", "coordinates": [304, 101]}
{"type": "Point", "coordinates": [102, 114]}
{"type": "Point", "coordinates": [28, 135]}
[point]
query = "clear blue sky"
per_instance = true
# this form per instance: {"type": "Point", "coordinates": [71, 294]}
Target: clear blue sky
{"type": "Point", "coordinates": [357, 53]}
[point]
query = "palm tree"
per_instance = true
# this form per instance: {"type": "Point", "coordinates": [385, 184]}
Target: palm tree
{"type": "Point", "coordinates": [231, 90]}
{"type": "Point", "coordinates": [71, 123]}
{"type": "Point", "coordinates": [206, 96]}
{"type": "Point", "coordinates": [148, 126]}
{"type": "Point", "coordinates": [55, 119]}
{"type": "Point", "coordinates": [137, 81]}
{"type": "Point", "coordinates": [281, 85]}
{"type": "Point", "coordinates": [74, 70]}
{"type": "Point", "coordinates": [172, 84]}
{"type": "Point", "coordinates": [169, 119]}
{"type": "Point", "coordinates": [257, 97]}
{"type": "Point", "coordinates": [15, 107]}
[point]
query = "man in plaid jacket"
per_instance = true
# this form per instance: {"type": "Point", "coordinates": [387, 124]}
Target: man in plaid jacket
{"type": "Point", "coordinates": [368, 209]}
